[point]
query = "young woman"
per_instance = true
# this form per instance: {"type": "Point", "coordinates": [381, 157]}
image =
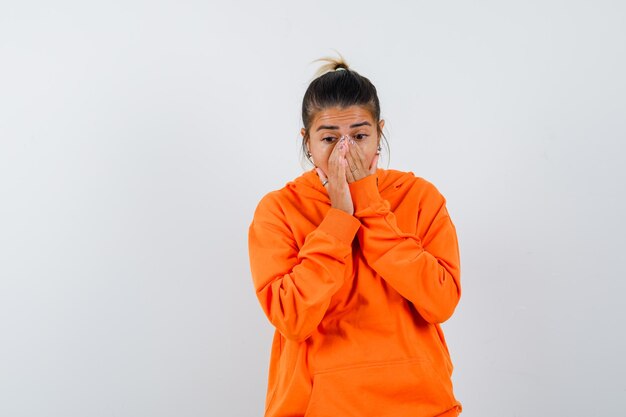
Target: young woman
{"type": "Point", "coordinates": [356, 267]}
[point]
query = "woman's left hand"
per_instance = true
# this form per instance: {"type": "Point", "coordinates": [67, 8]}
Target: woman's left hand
{"type": "Point", "coordinates": [358, 168]}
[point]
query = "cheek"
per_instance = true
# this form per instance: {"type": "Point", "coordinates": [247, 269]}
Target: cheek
{"type": "Point", "coordinates": [368, 149]}
{"type": "Point", "coordinates": [320, 155]}
{"type": "Point", "coordinates": [323, 151]}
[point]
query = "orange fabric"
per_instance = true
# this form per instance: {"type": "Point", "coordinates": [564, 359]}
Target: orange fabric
{"type": "Point", "coordinates": [357, 300]}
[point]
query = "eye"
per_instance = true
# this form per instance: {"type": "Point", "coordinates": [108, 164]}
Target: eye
{"type": "Point", "coordinates": [329, 139]}
{"type": "Point", "coordinates": [360, 136]}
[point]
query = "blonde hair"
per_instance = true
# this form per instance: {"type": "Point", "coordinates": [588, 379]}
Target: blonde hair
{"type": "Point", "coordinates": [332, 64]}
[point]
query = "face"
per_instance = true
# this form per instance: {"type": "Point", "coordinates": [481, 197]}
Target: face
{"type": "Point", "coordinates": [329, 125]}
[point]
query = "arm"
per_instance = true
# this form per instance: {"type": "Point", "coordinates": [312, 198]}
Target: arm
{"type": "Point", "coordinates": [425, 271]}
{"type": "Point", "coordinates": [295, 286]}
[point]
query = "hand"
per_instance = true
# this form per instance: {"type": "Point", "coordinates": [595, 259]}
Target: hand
{"type": "Point", "coordinates": [358, 167]}
{"type": "Point", "coordinates": [337, 185]}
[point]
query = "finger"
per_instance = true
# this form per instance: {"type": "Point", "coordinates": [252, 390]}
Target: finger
{"type": "Point", "coordinates": [337, 150]}
{"type": "Point", "coordinates": [343, 149]}
{"type": "Point", "coordinates": [332, 157]}
{"type": "Point", "coordinates": [347, 174]}
{"type": "Point", "coordinates": [345, 165]}
{"type": "Point", "coordinates": [358, 157]}
{"type": "Point", "coordinates": [334, 163]}
{"type": "Point", "coordinates": [374, 164]}
{"type": "Point", "coordinates": [337, 147]}
{"type": "Point", "coordinates": [349, 162]}
{"type": "Point", "coordinates": [357, 150]}
{"type": "Point", "coordinates": [352, 158]}
{"type": "Point", "coordinates": [322, 175]}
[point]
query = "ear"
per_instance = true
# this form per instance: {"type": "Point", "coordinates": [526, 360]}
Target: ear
{"type": "Point", "coordinates": [381, 124]}
{"type": "Point", "coordinates": [306, 142]}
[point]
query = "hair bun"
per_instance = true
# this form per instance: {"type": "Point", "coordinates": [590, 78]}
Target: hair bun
{"type": "Point", "coordinates": [332, 64]}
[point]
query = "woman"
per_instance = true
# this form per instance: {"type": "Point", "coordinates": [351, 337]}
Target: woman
{"type": "Point", "coordinates": [356, 267]}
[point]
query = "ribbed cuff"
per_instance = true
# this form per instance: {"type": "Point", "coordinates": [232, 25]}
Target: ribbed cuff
{"type": "Point", "coordinates": [340, 224]}
{"type": "Point", "coordinates": [364, 192]}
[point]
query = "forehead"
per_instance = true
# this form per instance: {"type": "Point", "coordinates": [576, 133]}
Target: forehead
{"type": "Point", "coordinates": [340, 116]}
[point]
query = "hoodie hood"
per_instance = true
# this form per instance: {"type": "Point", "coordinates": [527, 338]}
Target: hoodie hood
{"type": "Point", "coordinates": [309, 185]}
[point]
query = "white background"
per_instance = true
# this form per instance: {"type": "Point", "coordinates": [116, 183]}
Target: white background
{"type": "Point", "coordinates": [136, 139]}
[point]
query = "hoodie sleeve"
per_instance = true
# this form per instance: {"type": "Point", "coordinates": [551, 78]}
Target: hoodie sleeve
{"type": "Point", "coordinates": [425, 270]}
{"type": "Point", "coordinates": [294, 285]}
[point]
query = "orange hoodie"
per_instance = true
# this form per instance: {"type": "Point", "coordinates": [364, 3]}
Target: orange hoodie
{"type": "Point", "coordinates": [357, 300]}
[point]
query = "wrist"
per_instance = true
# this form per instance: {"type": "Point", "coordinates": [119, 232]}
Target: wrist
{"type": "Point", "coordinates": [349, 210]}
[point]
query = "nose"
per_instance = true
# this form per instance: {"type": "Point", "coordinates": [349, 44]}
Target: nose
{"type": "Point", "coordinates": [346, 138]}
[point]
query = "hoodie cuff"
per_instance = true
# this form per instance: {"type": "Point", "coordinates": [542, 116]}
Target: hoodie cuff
{"type": "Point", "coordinates": [364, 192]}
{"type": "Point", "coordinates": [340, 224]}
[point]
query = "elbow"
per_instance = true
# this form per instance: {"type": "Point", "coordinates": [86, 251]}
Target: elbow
{"type": "Point", "coordinates": [443, 302]}
{"type": "Point", "coordinates": [296, 317]}
{"type": "Point", "coordinates": [293, 331]}
{"type": "Point", "coordinates": [437, 316]}
{"type": "Point", "coordinates": [298, 337]}
{"type": "Point", "coordinates": [296, 323]}
{"type": "Point", "coordinates": [437, 312]}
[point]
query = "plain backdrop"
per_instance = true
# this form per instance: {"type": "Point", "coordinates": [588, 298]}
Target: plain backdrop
{"type": "Point", "coordinates": [137, 137]}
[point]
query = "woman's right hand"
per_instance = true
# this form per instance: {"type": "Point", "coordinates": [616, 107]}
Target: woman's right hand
{"type": "Point", "coordinates": [337, 185]}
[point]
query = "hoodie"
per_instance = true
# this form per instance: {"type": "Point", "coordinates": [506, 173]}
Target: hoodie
{"type": "Point", "coordinates": [357, 300]}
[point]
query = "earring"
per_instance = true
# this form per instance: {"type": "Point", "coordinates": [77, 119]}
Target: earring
{"type": "Point", "coordinates": [378, 150]}
{"type": "Point", "coordinates": [308, 155]}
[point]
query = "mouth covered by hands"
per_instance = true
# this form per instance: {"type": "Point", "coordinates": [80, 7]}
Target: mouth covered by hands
{"type": "Point", "coordinates": [347, 163]}
{"type": "Point", "coordinates": [358, 166]}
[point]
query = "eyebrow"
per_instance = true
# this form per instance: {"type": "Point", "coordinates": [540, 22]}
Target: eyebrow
{"type": "Point", "coordinates": [365, 123]}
